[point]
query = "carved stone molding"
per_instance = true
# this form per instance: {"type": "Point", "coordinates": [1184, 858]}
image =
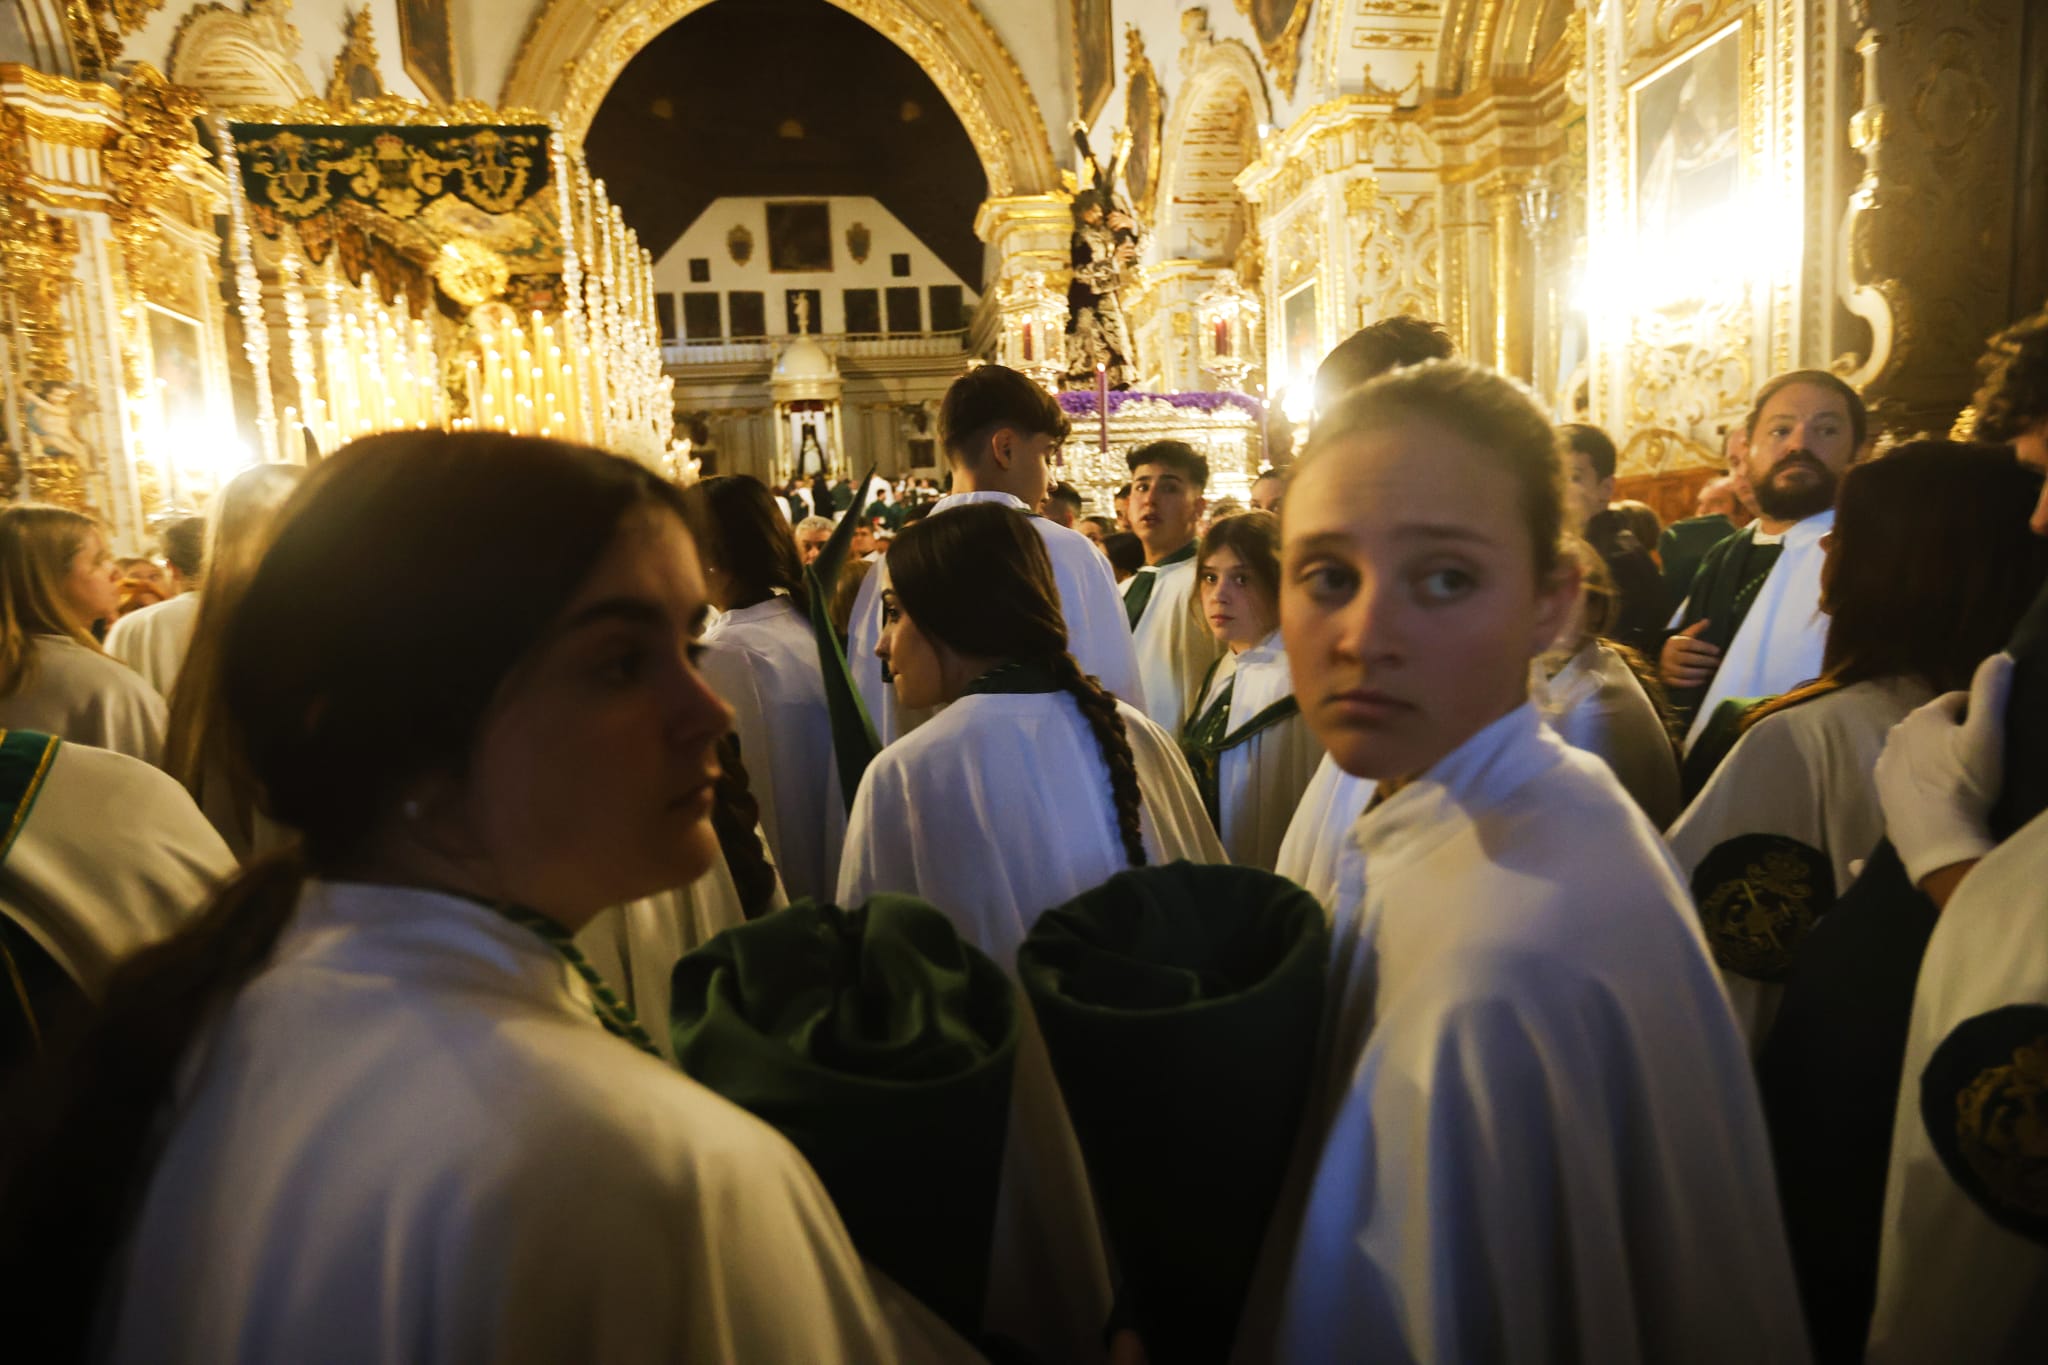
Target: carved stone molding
{"type": "Point", "coordinates": [240, 57]}
{"type": "Point", "coordinates": [1211, 138]}
{"type": "Point", "coordinates": [356, 65]}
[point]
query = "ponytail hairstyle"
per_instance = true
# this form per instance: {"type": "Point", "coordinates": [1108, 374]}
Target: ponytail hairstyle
{"type": "Point", "coordinates": [978, 581]}
{"type": "Point", "coordinates": [364, 655]}
{"type": "Point", "coordinates": [197, 746]}
{"type": "Point", "coordinates": [1496, 414]}
{"type": "Point", "coordinates": [37, 544]}
{"type": "Point", "coordinates": [738, 530]}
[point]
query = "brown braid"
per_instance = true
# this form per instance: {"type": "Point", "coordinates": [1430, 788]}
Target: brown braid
{"type": "Point", "coordinates": [978, 580]}
{"type": "Point", "coordinates": [1098, 708]}
{"type": "Point", "coordinates": [736, 820]}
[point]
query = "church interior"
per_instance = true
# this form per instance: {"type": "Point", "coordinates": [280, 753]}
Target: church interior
{"type": "Point", "coordinates": [1024, 681]}
{"type": "Point", "coordinates": [713, 235]}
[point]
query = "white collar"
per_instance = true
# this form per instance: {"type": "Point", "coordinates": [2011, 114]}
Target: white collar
{"type": "Point", "coordinates": [952, 500]}
{"type": "Point", "coordinates": [429, 938]}
{"type": "Point", "coordinates": [1261, 652]}
{"type": "Point", "coordinates": [1482, 772]}
{"type": "Point", "coordinates": [1799, 533]}
{"type": "Point", "coordinates": [760, 611]}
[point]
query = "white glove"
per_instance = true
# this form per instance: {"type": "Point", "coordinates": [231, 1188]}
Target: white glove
{"type": "Point", "coordinates": [1941, 771]}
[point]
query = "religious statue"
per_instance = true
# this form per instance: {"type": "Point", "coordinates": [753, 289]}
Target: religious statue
{"type": "Point", "coordinates": [809, 453]}
{"type": "Point", "coordinates": [1105, 248]}
{"type": "Point", "coordinates": [48, 420]}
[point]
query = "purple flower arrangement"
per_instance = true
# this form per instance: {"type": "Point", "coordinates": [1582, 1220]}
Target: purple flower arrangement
{"type": "Point", "coordinates": [1079, 402]}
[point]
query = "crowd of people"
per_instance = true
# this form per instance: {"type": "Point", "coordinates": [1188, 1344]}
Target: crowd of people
{"type": "Point", "coordinates": [1429, 911]}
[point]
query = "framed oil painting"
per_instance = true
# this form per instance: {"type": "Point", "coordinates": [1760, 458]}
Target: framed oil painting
{"type": "Point", "coordinates": [799, 238]}
{"type": "Point", "coordinates": [1302, 329]}
{"type": "Point", "coordinates": [1686, 139]}
{"type": "Point", "coordinates": [1094, 57]}
{"type": "Point", "coordinates": [1144, 116]}
{"type": "Point", "coordinates": [427, 45]}
{"type": "Point", "coordinates": [177, 350]}
{"type": "Point", "coordinates": [1279, 25]}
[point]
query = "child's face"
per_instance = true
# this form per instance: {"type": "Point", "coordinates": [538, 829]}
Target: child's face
{"type": "Point", "coordinates": [1409, 600]}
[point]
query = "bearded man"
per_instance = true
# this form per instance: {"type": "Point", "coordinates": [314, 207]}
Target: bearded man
{"type": "Point", "coordinates": [1752, 625]}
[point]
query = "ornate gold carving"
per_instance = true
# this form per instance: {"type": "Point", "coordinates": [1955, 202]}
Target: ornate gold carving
{"type": "Point", "coordinates": [1659, 450]}
{"type": "Point", "coordinates": [358, 54]}
{"type": "Point", "coordinates": [1687, 371]}
{"type": "Point", "coordinates": [65, 132]}
{"type": "Point", "coordinates": [1283, 53]}
{"type": "Point", "coordinates": [386, 109]}
{"type": "Point", "coordinates": [470, 272]}
{"type": "Point", "coordinates": [1397, 254]}
{"type": "Point", "coordinates": [58, 87]}
{"type": "Point", "coordinates": [37, 250]}
{"type": "Point", "coordinates": [1952, 102]}
{"type": "Point", "coordinates": [572, 53]}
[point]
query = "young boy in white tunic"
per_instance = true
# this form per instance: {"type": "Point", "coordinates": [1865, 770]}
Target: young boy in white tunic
{"type": "Point", "coordinates": [1175, 647]}
{"type": "Point", "coordinates": [1251, 752]}
{"type": "Point", "coordinates": [1928, 570]}
{"type": "Point", "coordinates": [762, 658]}
{"type": "Point", "coordinates": [1538, 1139]}
{"type": "Point", "coordinates": [1002, 434]}
{"type": "Point", "coordinates": [376, 1085]}
{"type": "Point", "coordinates": [57, 577]}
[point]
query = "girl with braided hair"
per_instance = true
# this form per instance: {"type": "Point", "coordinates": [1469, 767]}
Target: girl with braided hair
{"type": "Point", "coordinates": [1033, 785]}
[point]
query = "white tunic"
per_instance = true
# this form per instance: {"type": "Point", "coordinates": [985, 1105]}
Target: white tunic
{"type": "Point", "coordinates": [1952, 1283]}
{"type": "Point", "coordinates": [1098, 633]}
{"type": "Point", "coordinates": [1781, 640]}
{"type": "Point", "coordinates": [1260, 782]}
{"type": "Point", "coordinates": [112, 857]}
{"type": "Point", "coordinates": [1804, 774]}
{"type": "Point", "coordinates": [763, 660]}
{"type": "Point", "coordinates": [81, 695]}
{"type": "Point", "coordinates": [1596, 703]}
{"type": "Point", "coordinates": [409, 1139]}
{"type": "Point", "coordinates": [1319, 835]}
{"type": "Point", "coordinates": [636, 946]}
{"type": "Point", "coordinates": [998, 809]}
{"type": "Point", "coordinates": [1541, 1139]}
{"type": "Point", "coordinates": [153, 641]}
{"type": "Point", "coordinates": [1175, 646]}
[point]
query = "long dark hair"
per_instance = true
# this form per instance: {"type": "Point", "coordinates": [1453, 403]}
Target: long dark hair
{"type": "Point", "coordinates": [739, 530]}
{"type": "Point", "coordinates": [1254, 537]}
{"type": "Point", "coordinates": [364, 655]}
{"type": "Point", "coordinates": [978, 581]}
{"type": "Point", "coordinates": [1931, 568]}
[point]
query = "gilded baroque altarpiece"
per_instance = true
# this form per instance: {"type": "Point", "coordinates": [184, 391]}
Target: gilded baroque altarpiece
{"type": "Point", "coordinates": [108, 253]}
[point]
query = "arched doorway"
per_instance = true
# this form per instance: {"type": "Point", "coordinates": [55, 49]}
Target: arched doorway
{"type": "Point", "coordinates": [577, 50]}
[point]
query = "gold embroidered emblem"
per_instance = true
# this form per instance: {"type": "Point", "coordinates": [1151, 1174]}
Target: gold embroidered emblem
{"type": "Point", "coordinates": [2002, 1128]}
{"type": "Point", "coordinates": [1759, 896]}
